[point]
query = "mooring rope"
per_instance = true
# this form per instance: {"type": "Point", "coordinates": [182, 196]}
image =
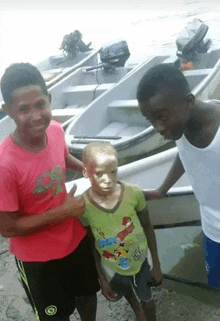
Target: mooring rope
{"type": "Point", "coordinates": [192, 283]}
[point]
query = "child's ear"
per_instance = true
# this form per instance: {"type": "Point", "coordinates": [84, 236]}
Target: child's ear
{"type": "Point", "coordinates": [85, 172]}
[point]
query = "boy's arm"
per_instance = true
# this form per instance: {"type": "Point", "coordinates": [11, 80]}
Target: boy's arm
{"type": "Point", "coordinates": [73, 163]}
{"type": "Point", "coordinates": [151, 240]}
{"type": "Point", "coordinates": [175, 172]}
{"type": "Point", "coordinates": [105, 285]}
{"type": "Point", "coordinates": [15, 224]}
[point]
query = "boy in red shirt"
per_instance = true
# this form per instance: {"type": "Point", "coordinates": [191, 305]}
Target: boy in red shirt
{"type": "Point", "coordinates": [49, 243]}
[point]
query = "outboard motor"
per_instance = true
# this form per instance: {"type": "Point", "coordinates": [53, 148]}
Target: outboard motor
{"type": "Point", "coordinates": [190, 43]}
{"type": "Point", "coordinates": [72, 43]}
{"type": "Point", "coordinates": [115, 53]}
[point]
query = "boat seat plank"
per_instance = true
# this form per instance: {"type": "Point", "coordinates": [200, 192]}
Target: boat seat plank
{"type": "Point", "coordinates": [132, 103]}
{"type": "Point", "coordinates": [66, 111]}
{"type": "Point", "coordinates": [106, 86]}
{"type": "Point", "coordinates": [120, 129]}
{"type": "Point", "coordinates": [75, 107]}
{"type": "Point", "coordinates": [197, 72]}
{"type": "Point", "coordinates": [84, 94]}
{"type": "Point", "coordinates": [62, 115]}
{"type": "Point", "coordinates": [89, 88]}
{"type": "Point", "coordinates": [171, 60]}
{"type": "Point", "coordinates": [72, 106]}
{"type": "Point", "coordinates": [132, 130]}
{"type": "Point", "coordinates": [112, 129]}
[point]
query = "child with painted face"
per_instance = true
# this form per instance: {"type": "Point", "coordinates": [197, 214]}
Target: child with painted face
{"type": "Point", "coordinates": [36, 213]}
{"type": "Point", "coordinates": [118, 219]}
{"type": "Point", "coordinates": [165, 99]}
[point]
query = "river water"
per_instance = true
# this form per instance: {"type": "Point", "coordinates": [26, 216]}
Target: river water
{"type": "Point", "coordinates": [150, 27]}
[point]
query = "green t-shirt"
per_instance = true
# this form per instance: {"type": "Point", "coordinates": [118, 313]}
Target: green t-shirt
{"type": "Point", "coordinates": [119, 236]}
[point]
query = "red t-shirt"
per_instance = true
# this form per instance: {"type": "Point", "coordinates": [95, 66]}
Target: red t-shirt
{"type": "Point", "coordinates": [34, 183]}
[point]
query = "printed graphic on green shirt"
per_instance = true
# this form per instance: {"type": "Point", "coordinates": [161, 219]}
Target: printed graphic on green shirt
{"type": "Point", "coordinates": [120, 254]}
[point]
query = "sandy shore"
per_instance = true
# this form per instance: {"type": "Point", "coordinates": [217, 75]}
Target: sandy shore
{"type": "Point", "coordinates": [174, 302]}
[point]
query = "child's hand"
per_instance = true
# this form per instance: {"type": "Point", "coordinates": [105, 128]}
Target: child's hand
{"type": "Point", "coordinates": [156, 274]}
{"type": "Point", "coordinates": [107, 291]}
{"type": "Point", "coordinates": [74, 206]}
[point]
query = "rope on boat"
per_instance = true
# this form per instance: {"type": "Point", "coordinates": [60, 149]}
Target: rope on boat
{"type": "Point", "coordinates": [192, 283]}
{"type": "Point", "coordinates": [181, 224]}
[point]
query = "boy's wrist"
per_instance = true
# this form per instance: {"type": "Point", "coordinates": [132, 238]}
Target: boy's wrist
{"type": "Point", "coordinates": [156, 261]}
{"type": "Point", "coordinates": [102, 278]}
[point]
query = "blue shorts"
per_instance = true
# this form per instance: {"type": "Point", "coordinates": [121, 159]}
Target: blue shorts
{"type": "Point", "coordinates": [134, 285]}
{"type": "Point", "coordinates": [212, 261]}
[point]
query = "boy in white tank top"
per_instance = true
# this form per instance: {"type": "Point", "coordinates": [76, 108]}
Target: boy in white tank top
{"type": "Point", "coordinates": [166, 101]}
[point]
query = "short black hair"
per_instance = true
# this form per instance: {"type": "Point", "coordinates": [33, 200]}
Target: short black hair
{"type": "Point", "coordinates": [19, 75]}
{"type": "Point", "coordinates": [164, 79]}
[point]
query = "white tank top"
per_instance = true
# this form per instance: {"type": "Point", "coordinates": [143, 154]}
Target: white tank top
{"type": "Point", "coordinates": [202, 166]}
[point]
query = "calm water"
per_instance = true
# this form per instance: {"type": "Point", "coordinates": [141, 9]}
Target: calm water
{"type": "Point", "coordinates": [150, 27]}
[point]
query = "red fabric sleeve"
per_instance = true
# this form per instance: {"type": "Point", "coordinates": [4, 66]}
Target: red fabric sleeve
{"type": "Point", "coordinates": [9, 201]}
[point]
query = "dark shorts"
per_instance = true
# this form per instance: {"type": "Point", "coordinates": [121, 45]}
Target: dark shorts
{"type": "Point", "coordinates": [212, 261]}
{"type": "Point", "coordinates": [135, 285]}
{"type": "Point", "coordinates": [52, 286]}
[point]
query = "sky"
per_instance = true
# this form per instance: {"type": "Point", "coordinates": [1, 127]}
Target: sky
{"type": "Point", "coordinates": [33, 30]}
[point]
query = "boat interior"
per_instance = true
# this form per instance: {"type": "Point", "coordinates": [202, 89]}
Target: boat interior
{"type": "Point", "coordinates": [83, 86]}
{"type": "Point", "coordinates": [122, 118]}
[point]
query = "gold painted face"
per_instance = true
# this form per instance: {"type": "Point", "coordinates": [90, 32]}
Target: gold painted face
{"type": "Point", "coordinates": [102, 172]}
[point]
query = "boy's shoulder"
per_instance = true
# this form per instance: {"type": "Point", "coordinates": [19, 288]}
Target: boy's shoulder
{"type": "Point", "coordinates": [132, 186]}
{"type": "Point", "coordinates": [214, 107]}
{"type": "Point", "coordinates": [54, 125]}
{"type": "Point", "coordinates": [55, 130]}
{"type": "Point", "coordinates": [132, 189]}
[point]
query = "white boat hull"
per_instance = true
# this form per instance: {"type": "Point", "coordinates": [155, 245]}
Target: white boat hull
{"type": "Point", "coordinates": [180, 206]}
{"type": "Point", "coordinates": [74, 88]}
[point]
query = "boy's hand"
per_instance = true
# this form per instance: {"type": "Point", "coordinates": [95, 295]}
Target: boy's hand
{"type": "Point", "coordinates": [107, 291]}
{"type": "Point", "coordinates": [74, 206]}
{"type": "Point", "coordinates": [156, 274]}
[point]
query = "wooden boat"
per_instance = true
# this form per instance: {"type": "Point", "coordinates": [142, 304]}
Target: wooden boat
{"type": "Point", "coordinates": [115, 116]}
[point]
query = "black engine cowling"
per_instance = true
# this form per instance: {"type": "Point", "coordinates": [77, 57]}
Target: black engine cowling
{"type": "Point", "coordinates": [190, 40]}
{"type": "Point", "coordinates": [115, 53]}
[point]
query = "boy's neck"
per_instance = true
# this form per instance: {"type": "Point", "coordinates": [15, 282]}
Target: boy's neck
{"type": "Point", "coordinates": [108, 201]}
{"type": "Point", "coordinates": [203, 124]}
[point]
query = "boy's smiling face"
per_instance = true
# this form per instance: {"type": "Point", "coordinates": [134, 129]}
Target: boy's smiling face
{"type": "Point", "coordinates": [31, 111]}
{"type": "Point", "coordinates": [102, 172]}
